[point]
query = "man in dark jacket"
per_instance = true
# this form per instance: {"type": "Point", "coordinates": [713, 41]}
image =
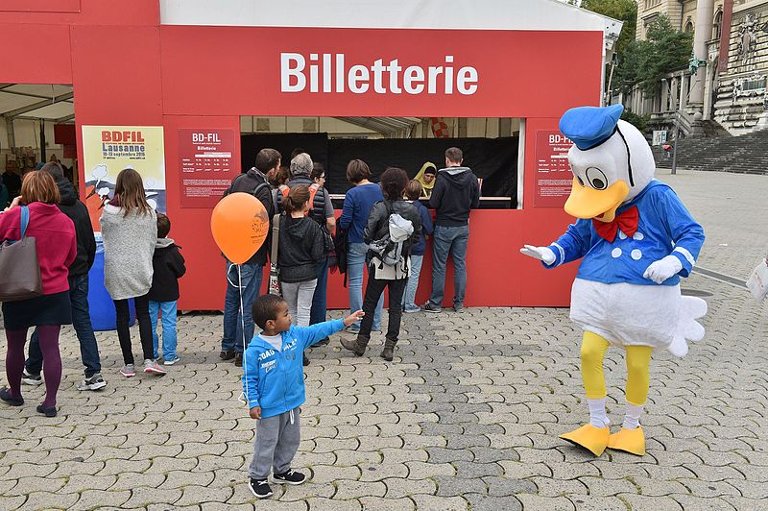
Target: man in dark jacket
{"type": "Point", "coordinates": [455, 193]}
{"type": "Point", "coordinates": [78, 290]}
{"type": "Point", "coordinates": [254, 182]}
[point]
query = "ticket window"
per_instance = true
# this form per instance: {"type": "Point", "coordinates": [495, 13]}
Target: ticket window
{"type": "Point", "coordinates": [492, 148]}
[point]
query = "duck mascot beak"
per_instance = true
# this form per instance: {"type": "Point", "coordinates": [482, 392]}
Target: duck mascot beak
{"type": "Point", "coordinates": [586, 202]}
{"type": "Point", "coordinates": [589, 128]}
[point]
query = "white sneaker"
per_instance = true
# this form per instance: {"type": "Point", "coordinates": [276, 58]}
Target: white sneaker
{"type": "Point", "coordinates": [95, 382]}
{"type": "Point", "coordinates": [152, 367]}
{"type": "Point", "coordinates": [31, 379]}
{"type": "Point", "coordinates": [171, 361]}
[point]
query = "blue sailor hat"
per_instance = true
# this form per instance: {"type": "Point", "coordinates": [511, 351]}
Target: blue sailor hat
{"type": "Point", "coordinates": [590, 126]}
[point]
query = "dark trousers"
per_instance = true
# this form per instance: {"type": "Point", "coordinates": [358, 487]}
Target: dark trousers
{"type": "Point", "coordinates": [81, 321]}
{"type": "Point", "coordinates": [372, 294]}
{"type": "Point", "coordinates": [145, 328]}
{"type": "Point", "coordinates": [320, 298]}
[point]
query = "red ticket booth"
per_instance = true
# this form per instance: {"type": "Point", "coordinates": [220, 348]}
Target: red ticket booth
{"type": "Point", "coordinates": [195, 66]}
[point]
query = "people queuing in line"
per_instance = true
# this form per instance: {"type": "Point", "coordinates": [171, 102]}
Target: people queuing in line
{"type": "Point", "coordinates": [413, 191]}
{"type": "Point", "coordinates": [301, 249]}
{"type": "Point", "coordinates": [387, 266]}
{"type": "Point", "coordinates": [244, 283]}
{"type": "Point", "coordinates": [129, 231]}
{"type": "Point", "coordinates": [455, 194]}
{"type": "Point", "coordinates": [321, 212]}
{"type": "Point", "coordinates": [56, 247]}
{"type": "Point", "coordinates": [358, 203]}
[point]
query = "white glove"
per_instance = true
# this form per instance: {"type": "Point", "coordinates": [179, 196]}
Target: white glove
{"type": "Point", "coordinates": [664, 268]}
{"type": "Point", "coordinates": [541, 253]}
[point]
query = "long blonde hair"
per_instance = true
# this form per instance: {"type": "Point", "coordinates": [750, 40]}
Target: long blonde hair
{"type": "Point", "coordinates": [130, 189]}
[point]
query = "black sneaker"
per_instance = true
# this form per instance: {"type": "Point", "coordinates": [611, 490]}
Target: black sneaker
{"type": "Point", "coordinates": [48, 411]}
{"type": "Point", "coordinates": [290, 477]}
{"type": "Point", "coordinates": [5, 395]}
{"type": "Point", "coordinates": [260, 488]}
{"type": "Point", "coordinates": [238, 359]}
{"type": "Point", "coordinates": [428, 307]}
{"type": "Point", "coordinates": [227, 355]}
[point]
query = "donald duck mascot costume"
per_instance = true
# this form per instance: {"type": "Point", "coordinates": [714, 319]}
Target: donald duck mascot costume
{"type": "Point", "coordinates": [636, 239]}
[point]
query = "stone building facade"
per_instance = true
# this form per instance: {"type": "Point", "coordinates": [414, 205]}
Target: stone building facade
{"type": "Point", "coordinates": [733, 80]}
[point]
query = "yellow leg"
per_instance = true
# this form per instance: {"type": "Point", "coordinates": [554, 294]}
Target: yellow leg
{"type": "Point", "coordinates": [638, 375]}
{"type": "Point", "coordinates": [592, 438]}
{"type": "Point", "coordinates": [593, 348]}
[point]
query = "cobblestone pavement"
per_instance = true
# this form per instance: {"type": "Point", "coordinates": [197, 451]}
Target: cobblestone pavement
{"type": "Point", "coordinates": [467, 416]}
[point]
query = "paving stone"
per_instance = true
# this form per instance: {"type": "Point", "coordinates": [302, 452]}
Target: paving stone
{"type": "Point", "coordinates": [590, 503]}
{"type": "Point", "coordinates": [349, 489]}
{"type": "Point", "coordinates": [444, 504]}
{"type": "Point", "coordinates": [92, 499]}
{"type": "Point", "coordinates": [46, 500]}
{"type": "Point", "coordinates": [532, 502]}
{"type": "Point", "coordinates": [401, 488]}
{"type": "Point", "coordinates": [384, 504]}
{"type": "Point", "coordinates": [319, 504]}
{"type": "Point", "coordinates": [503, 486]}
{"type": "Point", "coordinates": [487, 503]}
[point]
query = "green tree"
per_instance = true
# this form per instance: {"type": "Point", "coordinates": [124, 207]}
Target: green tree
{"type": "Point", "coordinates": [646, 62]}
{"type": "Point", "coordinates": [622, 10]}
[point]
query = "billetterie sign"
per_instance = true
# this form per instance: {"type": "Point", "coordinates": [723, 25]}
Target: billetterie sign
{"type": "Point", "coordinates": [331, 73]}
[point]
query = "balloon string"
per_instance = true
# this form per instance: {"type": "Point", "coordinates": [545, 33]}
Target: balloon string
{"type": "Point", "coordinates": [242, 323]}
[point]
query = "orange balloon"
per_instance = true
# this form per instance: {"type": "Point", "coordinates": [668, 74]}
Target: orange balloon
{"type": "Point", "coordinates": [239, 224]}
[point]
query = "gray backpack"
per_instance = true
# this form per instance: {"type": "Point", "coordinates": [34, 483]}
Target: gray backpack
{"type": "Point", "coordinates": [389, 249]}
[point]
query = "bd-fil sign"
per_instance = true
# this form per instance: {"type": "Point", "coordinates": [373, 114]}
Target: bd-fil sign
{"type": "Point", "coordinates": [331, 73]}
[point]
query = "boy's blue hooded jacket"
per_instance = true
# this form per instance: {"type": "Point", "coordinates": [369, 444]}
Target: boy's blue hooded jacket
{"type": "Point", "coordinates": [274, 380]}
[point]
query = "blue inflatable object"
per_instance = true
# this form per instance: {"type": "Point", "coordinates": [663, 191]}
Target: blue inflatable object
{"type": "Point", "coordinates": [100, 304]}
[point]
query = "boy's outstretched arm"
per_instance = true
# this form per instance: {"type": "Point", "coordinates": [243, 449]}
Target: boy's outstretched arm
{"type": "Point", "coordinates": [315, 333]}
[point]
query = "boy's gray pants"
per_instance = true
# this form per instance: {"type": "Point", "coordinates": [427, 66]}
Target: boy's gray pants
{"type": "Point", "coordinates": [277, 440]}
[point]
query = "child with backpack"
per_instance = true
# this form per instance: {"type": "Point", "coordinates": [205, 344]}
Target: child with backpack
{"type": "Point", "coordinates": [273, 383]}
{"type": "Point", "coordinates": [393, 227]}
{"type": "Point", "coordinates": [413, 191]}
{"type": "Point", "coordinates": [168, 265]}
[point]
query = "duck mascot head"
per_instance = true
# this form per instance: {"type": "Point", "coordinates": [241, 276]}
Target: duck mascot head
{"type": "Point", "coordinates": [635, 239]}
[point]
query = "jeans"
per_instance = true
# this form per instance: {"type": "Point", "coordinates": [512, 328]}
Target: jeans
{"type": "Point", "coordinates": [233, 321]}
{"type": "Point", "coordinates": [373, 293]}
{"type": "Point", "coordinates": [409, 298]}
{"type": "Point", "coordinates": [168, 310]}
{"type": "Point", "coordinates": [145, 328]}
{"type": "Point", "coordinates": [81, 321]}
{"type": "Point", "coordinates": [298, 295]}
{"type": "Point", "coordinates": [355, 263]}
{"type": "Point", "coordinates": [451, 240]}
{"type": "Point", "coordinates": [320, 298]}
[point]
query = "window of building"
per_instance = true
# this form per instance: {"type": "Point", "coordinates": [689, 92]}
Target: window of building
{"type": "Point", "coordinates": [717, 25]}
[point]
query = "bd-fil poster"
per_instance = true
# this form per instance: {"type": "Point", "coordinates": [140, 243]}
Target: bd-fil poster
{"type": "Point", "coordinates": [109, 149]}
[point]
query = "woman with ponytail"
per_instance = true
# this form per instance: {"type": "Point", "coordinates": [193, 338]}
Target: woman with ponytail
{"type": "Point", "coordinates": [301, 248]}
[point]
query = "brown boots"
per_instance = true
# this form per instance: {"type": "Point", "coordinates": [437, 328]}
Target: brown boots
{"type": "Point", "coordinates": [389, 348]}
{"type": "Point", "coordinates": [358, 346]}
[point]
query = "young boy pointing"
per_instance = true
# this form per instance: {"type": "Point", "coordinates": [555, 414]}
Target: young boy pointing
{"type": "Point", "coordinates": [273, 381]}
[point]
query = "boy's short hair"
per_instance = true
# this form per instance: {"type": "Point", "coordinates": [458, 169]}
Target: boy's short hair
{"type": "Point", "coordinates": [163, 225]}
{"type": "Point", "coordinates": [413, 190]}
{"type": "Point", "coordinates": [265, 308]}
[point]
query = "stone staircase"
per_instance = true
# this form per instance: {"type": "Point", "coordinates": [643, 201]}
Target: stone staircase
{"type": "Point", "coordinates": [745, 154]}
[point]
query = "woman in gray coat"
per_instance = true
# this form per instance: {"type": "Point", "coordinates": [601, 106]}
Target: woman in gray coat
{"type": "Point", "coordinates": [129, 230]}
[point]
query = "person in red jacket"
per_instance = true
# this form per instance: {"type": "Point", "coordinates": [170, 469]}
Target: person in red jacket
{"type": "Point", "coordinates": [54, 235]}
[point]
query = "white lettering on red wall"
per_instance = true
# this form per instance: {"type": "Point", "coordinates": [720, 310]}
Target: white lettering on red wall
{"type": "Point", "coordinates": [330, 73]}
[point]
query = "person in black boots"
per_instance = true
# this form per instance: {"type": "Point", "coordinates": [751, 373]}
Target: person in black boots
{"type": "Point", "coordinates": [394, 225]}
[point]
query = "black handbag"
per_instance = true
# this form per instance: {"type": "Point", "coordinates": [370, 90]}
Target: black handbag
{"type": "Point", "coordinates": [19, 268]}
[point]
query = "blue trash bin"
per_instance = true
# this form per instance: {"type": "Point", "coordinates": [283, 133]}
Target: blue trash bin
{"type": "Point", "coordinates": [100, 304]}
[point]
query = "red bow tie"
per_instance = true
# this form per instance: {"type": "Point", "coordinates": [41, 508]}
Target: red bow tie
{"type": "Point", "coordinates": [626, 221]}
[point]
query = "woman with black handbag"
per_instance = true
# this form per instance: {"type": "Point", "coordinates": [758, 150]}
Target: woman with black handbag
{"type": "Point", "coordinates": [36, 216]}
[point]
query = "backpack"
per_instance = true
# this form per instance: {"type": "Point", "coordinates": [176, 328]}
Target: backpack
{"type": "Point", "coordinates": [312, 192]}
{"type": "Point", "coordinates": [389, 249]}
